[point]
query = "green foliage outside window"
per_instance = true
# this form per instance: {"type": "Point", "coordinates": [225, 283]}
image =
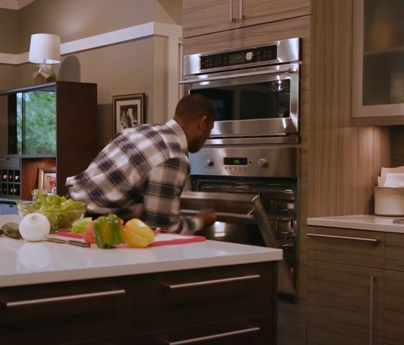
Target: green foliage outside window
{"type": "Point", "coordinates": [36, 122]}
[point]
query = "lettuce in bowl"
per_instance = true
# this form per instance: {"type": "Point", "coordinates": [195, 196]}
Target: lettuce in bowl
{"type": "Point", "coordinates": [61, 212]}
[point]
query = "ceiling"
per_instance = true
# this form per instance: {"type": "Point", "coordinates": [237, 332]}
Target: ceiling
{"type": "Point", "coordinates": [14, 4]}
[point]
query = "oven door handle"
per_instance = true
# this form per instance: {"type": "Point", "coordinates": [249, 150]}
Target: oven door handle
{"type": "Point", "coordinates": [248, 216]}
{"type": "Point", "coordinates": [240, 75]}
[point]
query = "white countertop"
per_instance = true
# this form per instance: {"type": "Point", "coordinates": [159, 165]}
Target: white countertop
{"type": "Point", "coordinates": [25, 263]}
{"type": "Point", "coordinates": [359, 222]}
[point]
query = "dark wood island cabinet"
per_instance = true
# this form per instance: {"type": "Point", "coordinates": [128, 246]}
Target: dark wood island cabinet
{"type": "Point", "coordinates": [233, 304]}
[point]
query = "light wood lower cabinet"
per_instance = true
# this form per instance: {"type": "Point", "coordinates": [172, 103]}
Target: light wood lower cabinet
{"type": "Point", "coordinates": [342, 246]}
{"type": "Point", "coordinates": [394, 308]}
{"type": "Point", "coordinates": [345, 305]}
{"type": "Point", "coordinates": [394, 252]}
{"type": "Point", "coordinates": [355, 287]}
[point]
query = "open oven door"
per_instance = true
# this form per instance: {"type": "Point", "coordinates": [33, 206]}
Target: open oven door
{"type": "Point", "coordinates": [242, 219]}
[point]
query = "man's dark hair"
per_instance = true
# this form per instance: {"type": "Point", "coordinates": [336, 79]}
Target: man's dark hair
{"type": "Point", "coordinates": [194, 106]}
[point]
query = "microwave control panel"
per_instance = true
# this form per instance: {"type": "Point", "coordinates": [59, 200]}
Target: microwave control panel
{"type": "Point", "coordinates": [245, 56]}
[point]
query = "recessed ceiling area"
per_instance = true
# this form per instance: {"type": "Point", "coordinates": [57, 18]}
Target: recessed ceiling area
{"type": "Point", "coordinates": [14, 4]}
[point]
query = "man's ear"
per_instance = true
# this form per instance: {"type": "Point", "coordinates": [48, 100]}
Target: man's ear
{"type": "Point", "coordinates": [203, 122]}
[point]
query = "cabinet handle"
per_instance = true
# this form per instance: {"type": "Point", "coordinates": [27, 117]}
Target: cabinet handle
{"type": "Point", "coordinates": [369, 240]}
{"type": "Point", "coordinates": [372, 284]}
{"type": "Point", "coordinates": [232, 19]}
{"type": "Point", "coordinates": [211, 282]}
{"type": "Point", "coordinates": [241, 16]}
{"type": "Point", "coordinates": [222, 214]}
{"type": "Point", "coordinates": [64, 298]}
{"type": "Point", "coordinates": [215, 336]}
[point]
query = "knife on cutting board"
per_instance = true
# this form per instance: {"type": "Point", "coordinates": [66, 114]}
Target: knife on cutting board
{"type": "Point", "coordinates": [62, 241]}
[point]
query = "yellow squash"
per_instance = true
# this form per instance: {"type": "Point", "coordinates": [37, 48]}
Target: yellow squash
{"type": "Point", "coordinates": [137, 234]}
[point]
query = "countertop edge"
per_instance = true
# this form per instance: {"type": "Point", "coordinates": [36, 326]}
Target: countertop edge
{"type": "Point", "coordinates": [31, 278]}
{"type": "Point", "coordinates": [368, 222]}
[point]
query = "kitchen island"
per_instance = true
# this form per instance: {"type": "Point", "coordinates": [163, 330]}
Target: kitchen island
{"type": "Point", "coordinates": [207, 292]}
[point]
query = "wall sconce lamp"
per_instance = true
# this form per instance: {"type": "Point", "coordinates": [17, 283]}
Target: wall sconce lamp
{"type": "Point", "coordinates": [44, 50]}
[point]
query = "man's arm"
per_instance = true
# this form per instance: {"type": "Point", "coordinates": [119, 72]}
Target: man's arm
{"type": "Point", "coordinates": [162, 198]}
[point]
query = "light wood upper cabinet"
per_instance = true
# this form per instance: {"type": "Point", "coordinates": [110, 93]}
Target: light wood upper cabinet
{"type": "Point", "coordinates": [378, 62]}
{"type": "Point", "coordinates": [208, 16]}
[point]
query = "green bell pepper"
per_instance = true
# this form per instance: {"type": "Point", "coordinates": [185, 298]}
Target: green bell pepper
{"type": "Point", "coordinates": [107, 231]}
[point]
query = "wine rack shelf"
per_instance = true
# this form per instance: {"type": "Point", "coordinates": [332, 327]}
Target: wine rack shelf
{"type": "Point", "coordinates": [10, 182]}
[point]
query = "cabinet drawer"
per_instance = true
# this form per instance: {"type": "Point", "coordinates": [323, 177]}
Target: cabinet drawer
{"type": "Point", "coordinates": [352, 247]}
{"type": "Point", "coordinates": [64, 312]}
{"type": "Point", "coordinates": [394, 251]}
{"type": "Point", "coordinates": [194, 296]}
{"type": "Point", "coordinates": [256, 330]}
{"type": "Point", "coordinates": [128, 340]}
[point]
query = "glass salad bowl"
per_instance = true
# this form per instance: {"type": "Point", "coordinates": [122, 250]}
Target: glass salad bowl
{"type": "Point", "coordinates": [61, 212]}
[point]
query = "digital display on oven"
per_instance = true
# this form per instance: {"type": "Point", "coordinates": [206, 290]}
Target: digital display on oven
{"type": "Point", "coordinates": [236, 58]}
{"type": "Point", "coordinates": [235, 161]}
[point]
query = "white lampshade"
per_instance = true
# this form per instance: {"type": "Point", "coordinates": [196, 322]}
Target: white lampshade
{"type": "Point", "coordinates": [44, 49]}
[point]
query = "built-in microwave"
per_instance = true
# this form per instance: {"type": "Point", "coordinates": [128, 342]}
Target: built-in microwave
{"type": "Point", "coordinates": [254, 90]}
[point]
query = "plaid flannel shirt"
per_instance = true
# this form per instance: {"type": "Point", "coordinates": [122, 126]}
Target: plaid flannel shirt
{"type": "Point", "coordinates": [139, 174]}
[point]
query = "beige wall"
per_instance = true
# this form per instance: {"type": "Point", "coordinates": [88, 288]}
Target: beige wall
{"type": "Point", "coordinates": [75, 19]}
{"type": "Point", "coordinates": [135, 66]}
{"type": "Point", "coordinates": [168, 11]}
{"type": "Point", "coordinates": [8, 78]}
{"type": "Point", "coordinates": [119, 69]}
{"type": "Point", "coordinates": [9, 32]}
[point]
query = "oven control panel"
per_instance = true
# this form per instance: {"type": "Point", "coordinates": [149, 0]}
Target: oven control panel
{"type": "Point", "coordinates": [244, 56]}
{"type": "Point", "coordinates": [260, 162]}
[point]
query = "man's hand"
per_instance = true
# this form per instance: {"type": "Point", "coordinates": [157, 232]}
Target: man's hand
{"type": "Point", "coordinates": [208, 216]}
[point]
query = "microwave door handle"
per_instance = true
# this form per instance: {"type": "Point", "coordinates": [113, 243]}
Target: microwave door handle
{"type": "Point", "coordinates": [251, 74]}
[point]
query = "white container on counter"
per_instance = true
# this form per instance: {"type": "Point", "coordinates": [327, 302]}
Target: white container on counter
{"type": "Point", "coordinates": [389, 201]}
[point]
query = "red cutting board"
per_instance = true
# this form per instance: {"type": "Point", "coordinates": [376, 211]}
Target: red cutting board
{"type": "Point", "coordinates": [161, 239]}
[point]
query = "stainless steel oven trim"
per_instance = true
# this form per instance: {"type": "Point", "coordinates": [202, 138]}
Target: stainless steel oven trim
{"type": "Point", "coordinates": [288, 51]}
{"type": "Point", "coordinates": [253, 141]}
{"type": "Point", "coordinates": [282, 162]}
{"type": "Point", "coordinates": [247, 72]}
{"type": "Point", "coordinates": [205, 80]}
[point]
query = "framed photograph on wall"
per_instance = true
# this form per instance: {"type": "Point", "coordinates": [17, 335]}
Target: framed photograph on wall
{"type": "Point", "coordinates": [128, 111]}
{"type": "Point", "coordinates": [46, 179]}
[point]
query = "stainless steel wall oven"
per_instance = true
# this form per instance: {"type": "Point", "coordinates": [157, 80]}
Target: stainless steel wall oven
{"type": "Point", "coordinates": [270, 173]}
{"type": "Point", "coordinates": [254, 90]}
{"type": "Point", "coordinates": [253, 147]}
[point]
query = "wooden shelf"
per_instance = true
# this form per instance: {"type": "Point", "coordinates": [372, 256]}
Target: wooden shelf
{"type": "Point", "coordinates": [76, 135]}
